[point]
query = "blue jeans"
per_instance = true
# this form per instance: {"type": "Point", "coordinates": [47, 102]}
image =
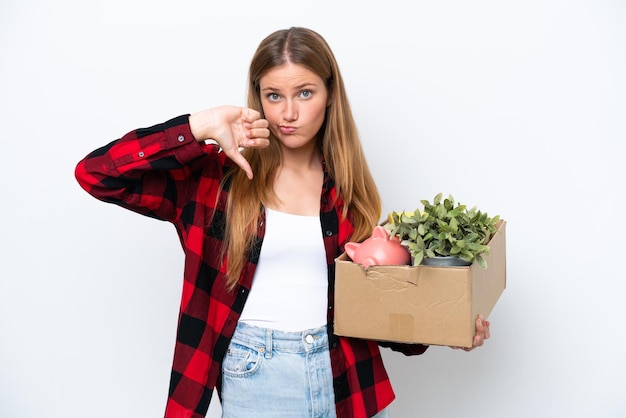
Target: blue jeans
{"type": "Point", "coordinates": [274, 374]}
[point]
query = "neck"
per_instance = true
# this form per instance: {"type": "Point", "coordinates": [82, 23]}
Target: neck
{"type": "Point", "coordinates": [298, 183]}
{"type": "Point", "coordinates": [302, 158]}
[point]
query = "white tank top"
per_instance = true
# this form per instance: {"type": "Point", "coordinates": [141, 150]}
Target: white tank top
{"type": "Point", "coordinates": [290, 287]}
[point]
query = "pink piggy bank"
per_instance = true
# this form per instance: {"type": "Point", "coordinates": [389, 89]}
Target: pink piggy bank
{"type": "Point", "coordinates": [379, 249]}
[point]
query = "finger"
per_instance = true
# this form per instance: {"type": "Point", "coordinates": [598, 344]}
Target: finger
{"type": "Point", "coordinates": [476, 342]}
{"type": "Point", "coordinates": [480, 329]}
{"type": "Point", "coordinates": [240, 160]}
{"type": "Point", "coordinates": [257, 143]}
{"type": "Point", "coordinates": [482, 326]}
{"type": "Point", "coordinates": [258, 129]}
{"type": "Point", "coordinates": [250, 115]}
{"type": "Point", "coordinates": [260, 135]}
{"type": "Point", "coordinates": [258, 123]}
{"type": "Point", "coordinates": [463, 348]}
{"type": "Point", "coordinates": [256, 134]}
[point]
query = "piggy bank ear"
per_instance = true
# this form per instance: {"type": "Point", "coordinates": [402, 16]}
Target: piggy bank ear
{"type": "Point", "coordinates": [380, 232]}
{"type": "Point", "coordinates": [351, 248]}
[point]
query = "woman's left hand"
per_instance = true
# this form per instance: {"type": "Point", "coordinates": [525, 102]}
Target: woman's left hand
{"type": "Point", "coordinates": [482, 333]}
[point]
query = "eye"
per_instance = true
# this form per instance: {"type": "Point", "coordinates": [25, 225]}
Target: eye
{"type": "Point", "coordinates": [305, 94]}
{"type": "Point", "coordinates": [273, 97]}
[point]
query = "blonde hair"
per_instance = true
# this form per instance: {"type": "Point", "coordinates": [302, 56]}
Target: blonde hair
{"type": "Point", "coordinates": [338, 141]}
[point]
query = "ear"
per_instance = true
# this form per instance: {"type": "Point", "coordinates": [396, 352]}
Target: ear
{"type": "Point", "coordinates": [351, 248]}
{"type": "Point", "coordinates": [380, 232]}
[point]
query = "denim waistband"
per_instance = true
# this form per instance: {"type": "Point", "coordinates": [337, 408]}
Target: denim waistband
{"type": "Point", "coordinates": [286, 341]}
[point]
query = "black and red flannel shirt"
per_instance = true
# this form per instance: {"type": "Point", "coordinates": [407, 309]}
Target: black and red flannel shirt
{"type": "Point", "coordinates": [163, 172]}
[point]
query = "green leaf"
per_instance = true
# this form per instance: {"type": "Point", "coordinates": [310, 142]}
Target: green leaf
{"type": "Point", "coordinates": [454, 224]}
{"type": "Point", "coordinates": [481, 261]}
{"type": "Point", "coordinates": [455, 250]}
{"type": "Point", "coordinates": [466, 255]}
{"type": "Point", "coordinates": [443, 228]}
{"type": "Point", "coordinates": [417, 258]}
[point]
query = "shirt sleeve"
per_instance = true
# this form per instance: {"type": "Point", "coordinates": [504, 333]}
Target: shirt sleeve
{"type": "Point", "coordinates": [149, 170]}
{"type": "Point", "coordinates": [406, 349]}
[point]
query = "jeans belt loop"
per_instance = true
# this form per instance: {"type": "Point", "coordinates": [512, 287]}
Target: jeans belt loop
{"type": "Point", "coordinates": [268, 343]}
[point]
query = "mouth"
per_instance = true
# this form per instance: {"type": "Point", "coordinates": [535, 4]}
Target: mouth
{"type": "Point", "coordinates": [287, 130]}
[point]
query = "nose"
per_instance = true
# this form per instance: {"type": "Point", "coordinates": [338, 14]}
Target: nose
{"type": "Point", "coordinates": [290, 111]}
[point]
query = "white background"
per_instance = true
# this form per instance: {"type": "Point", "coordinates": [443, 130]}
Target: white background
{"type": "Point", "coordinates": [514, 106]}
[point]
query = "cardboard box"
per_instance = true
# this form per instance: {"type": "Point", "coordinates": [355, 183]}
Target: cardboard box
{"type": "Point", "coordinates": [422, 304]}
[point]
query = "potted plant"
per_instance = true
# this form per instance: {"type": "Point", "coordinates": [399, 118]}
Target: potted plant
{"type": "Point", "coordinates": [444, 229]}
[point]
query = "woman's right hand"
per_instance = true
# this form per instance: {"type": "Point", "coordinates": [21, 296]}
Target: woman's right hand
{"type": "Point", "coordinates": [232, 127]}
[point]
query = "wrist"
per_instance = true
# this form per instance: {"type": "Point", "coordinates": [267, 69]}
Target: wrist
{"type": "Point", "coordinates": [201, 125]}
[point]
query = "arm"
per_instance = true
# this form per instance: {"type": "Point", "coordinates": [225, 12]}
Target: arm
{"type": "Point", "coordinates": [406, 349]}
{"type": "Point", "coordinates": [150, 170]}
{"type": "Point", "coordinates": [135, 170]}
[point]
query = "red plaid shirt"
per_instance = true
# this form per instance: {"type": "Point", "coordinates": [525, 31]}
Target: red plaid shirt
{"type": "Point", "coordinates": [163, 172]}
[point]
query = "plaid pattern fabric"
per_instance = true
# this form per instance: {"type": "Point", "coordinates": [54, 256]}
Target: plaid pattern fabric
{"type": "Point", "coordinates": [164, 173]}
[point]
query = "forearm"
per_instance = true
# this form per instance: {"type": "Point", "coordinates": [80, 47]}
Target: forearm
{"type": "Point", "coordinates": [136, 170]}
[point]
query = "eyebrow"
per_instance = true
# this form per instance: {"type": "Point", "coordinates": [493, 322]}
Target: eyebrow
{"type": "Point", "coordinates": [303, 86]}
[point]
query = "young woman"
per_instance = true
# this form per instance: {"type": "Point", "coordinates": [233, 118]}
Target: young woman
{"type": "Point", "coordinates": [262, 210]}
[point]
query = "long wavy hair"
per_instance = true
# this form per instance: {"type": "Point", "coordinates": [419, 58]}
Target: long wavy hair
{"type": "Point", "coordinates": [338, 141]}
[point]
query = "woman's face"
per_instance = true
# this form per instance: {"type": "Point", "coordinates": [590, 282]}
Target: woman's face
{"type": "Point", "coordinates": [294, 101]}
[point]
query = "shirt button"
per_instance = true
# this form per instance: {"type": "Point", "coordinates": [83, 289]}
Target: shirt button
{"type": "Point", "coordinates": [181, 138]}
{"type": "Point", "coordinates": [309, 339]}
{"type": "Point", "coordinates": [141, 154]}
